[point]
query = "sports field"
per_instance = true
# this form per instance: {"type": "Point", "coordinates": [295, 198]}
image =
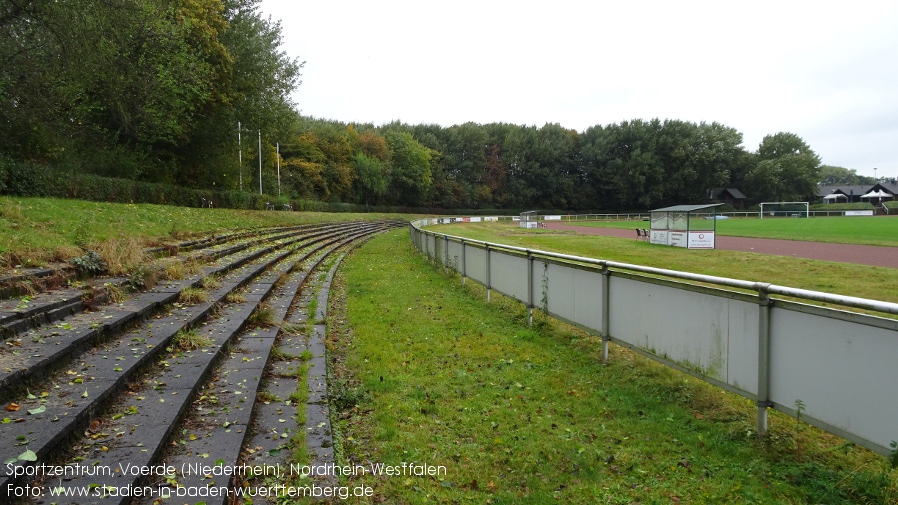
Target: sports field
{"type": "Point", "coordinates": [841, 230]}
{"type": "Point", "coordinates": [832, 277]}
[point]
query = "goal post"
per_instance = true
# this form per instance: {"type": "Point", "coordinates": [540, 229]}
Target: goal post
{"type": "Point", "coordinates": [785, 209]}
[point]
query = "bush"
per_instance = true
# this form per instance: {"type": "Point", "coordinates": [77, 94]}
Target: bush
{"type": "Point", "coordinates": [90, 264]}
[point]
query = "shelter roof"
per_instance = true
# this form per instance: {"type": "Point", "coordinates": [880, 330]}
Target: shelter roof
{"type": "Point", "coordinates": [687, 208]}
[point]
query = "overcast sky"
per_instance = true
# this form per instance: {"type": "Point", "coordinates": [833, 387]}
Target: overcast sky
{"type": "Point", "coordinates": [826, 71]}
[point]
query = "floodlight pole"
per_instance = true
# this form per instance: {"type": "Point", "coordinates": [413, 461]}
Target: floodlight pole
{"type": "Point", "coordinates": [278, 155]}
{"type": "Point", "coordinates": [260, 162]}
{"type": "Point", "coordinates": [240, 155]}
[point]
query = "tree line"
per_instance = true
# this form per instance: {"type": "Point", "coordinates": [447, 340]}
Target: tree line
{"type": "Point", "coordinates": [154, 90]}
{"type": "Point", "coordinates": [142, 89]}
{"type": "Point", "coordinates": [635, 164]}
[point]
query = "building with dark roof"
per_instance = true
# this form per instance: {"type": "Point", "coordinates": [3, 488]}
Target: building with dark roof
{"type": "Point", "coordinates": [730, 196]}
{"type": "Point", "coordinates": [843, 193]}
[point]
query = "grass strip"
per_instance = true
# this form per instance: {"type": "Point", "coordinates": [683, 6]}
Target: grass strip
{"type": "Point", "coordinates": [428, 373]}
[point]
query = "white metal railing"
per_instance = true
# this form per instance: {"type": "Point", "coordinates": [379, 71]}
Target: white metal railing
{"type": "Point", "coordinates": [739, 335]}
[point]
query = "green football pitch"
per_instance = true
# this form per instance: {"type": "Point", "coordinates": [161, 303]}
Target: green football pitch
{"type": "Point", "coordinates": [844, 230]}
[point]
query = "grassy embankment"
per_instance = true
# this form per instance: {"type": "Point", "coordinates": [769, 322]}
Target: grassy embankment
{"type": "Point", "coordinates": [35, 231]}
{"type": "Point", "coordinates": [520, 414]}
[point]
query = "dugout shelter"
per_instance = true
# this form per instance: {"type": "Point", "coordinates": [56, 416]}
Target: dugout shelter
{"type": "Point", "coordinates": [689, 226]}
{"type": "Point", "coordinates": [529, 219]}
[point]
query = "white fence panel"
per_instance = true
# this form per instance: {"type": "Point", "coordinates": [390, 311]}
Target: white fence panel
{"type": "Point", "coordinates": [508, 275]}
{"type": "Point", "coordinates": [475, 263]}
{"type": "Point", "coordinates": [455, 255]}
{"type": "Point", "coordinates": [710, 334]}
{"type": "Point", "coordinates": [569, 293]}
{"type": "Point", "coordinates": [843, 372]}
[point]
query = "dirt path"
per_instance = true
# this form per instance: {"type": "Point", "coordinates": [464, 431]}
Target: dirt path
{"type": "Point", "coordinates": [844, 253]}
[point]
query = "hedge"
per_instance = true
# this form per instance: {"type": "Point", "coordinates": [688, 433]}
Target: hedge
{"type": "Point", "coordinates": [34, 180]}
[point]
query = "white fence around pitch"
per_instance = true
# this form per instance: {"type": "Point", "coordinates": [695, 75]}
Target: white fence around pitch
{"type": "Point", "coordinates": [839, 365]}
{"type": "Point", "coordinates": [646, 216]}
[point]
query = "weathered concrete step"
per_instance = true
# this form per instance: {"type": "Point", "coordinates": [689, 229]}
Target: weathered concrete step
{"type": "Point", "coordinates": [268, 448]}
{"type": "Point", "coordinates": [24, 313]}
{"type": "Point", "coordinates": [102, 377]}
{"type": "Point", "coordinates": [36, 353]}
{"type": "Point", "coordinates": [319, 435]}
{"type": "Point", "coordinates": [29, 306]}
{"type": "Point", "coordinates": [154, 412]}
{"type": "Point", "coordinates": [128, 354]}
{"type": "Point", "coordinates": [219, 425]}
{"type": "Point", "coordinates": [47, 345]}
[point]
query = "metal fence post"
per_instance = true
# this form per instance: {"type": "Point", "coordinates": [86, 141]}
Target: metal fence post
{"type": "Point", "coordinates": [446, 255]}
{"type": "Point", "coordinates": [487, 275]}
{"type": "Point", "coordinates": [606, 311]}
{"type": "Point", "coordinates": [764, 306]}
{"type": "Point", "coordinates": [464, 269]}
{"type": "Point", "coordinates": [529, 289]}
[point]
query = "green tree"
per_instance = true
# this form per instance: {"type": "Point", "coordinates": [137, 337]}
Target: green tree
{"type": "Point", "coordinates": [149, 89]}
{"type": "Point", "coordinates": [371, 177]}
{"type": "Point", "coordinates": [787, 169]}
{"type": "Point", "coordinates": [411, 177]}
{"type": "Point", "coordinates": [831, 175]}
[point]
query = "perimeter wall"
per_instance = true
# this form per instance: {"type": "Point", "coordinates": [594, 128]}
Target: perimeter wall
{"type": "Point", "coordinates": [746, 337]}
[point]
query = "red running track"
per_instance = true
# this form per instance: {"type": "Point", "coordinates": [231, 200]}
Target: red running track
{"type": "Point", "coordinates": [845, 253]}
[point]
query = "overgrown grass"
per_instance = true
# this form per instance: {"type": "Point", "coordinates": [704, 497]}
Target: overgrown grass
{"type": "Point", "coordinates": [831, 277]}
{"type": "Point", "coordinates": [35, 231]}
{"type": "Point", "coordinates": [840, 230]}
{"type": "Point", "coordinates": [518, 414]}
{"type": "Point", "coordinates": [263, 316]}
{"type": "Point", "coordinates": [192, 296]}
{"type": "Point", "coordinates": [188, 340]}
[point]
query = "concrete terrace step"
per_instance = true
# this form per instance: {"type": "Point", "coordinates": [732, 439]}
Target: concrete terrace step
{"type": "Point", "coordinates": [102, 373]}
{"type": "Point", "coordinates": [45, 346]}
{"type": "Point", "coordinates": [22, 313]}
{"type": "Point", "coordinates": [82, 390]}
{"type": "Point", "coordinates": [33, 354]}
{"type": "Point", "coordinates": [139, 437]}
{"type": "Point", "coordinates": [43, 278]}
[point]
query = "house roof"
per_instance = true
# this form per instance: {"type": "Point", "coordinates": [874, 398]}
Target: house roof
{"type": "Point", "coordinates": [735, 193]}
{"type": "Point", "coordinates": [891, 187]}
